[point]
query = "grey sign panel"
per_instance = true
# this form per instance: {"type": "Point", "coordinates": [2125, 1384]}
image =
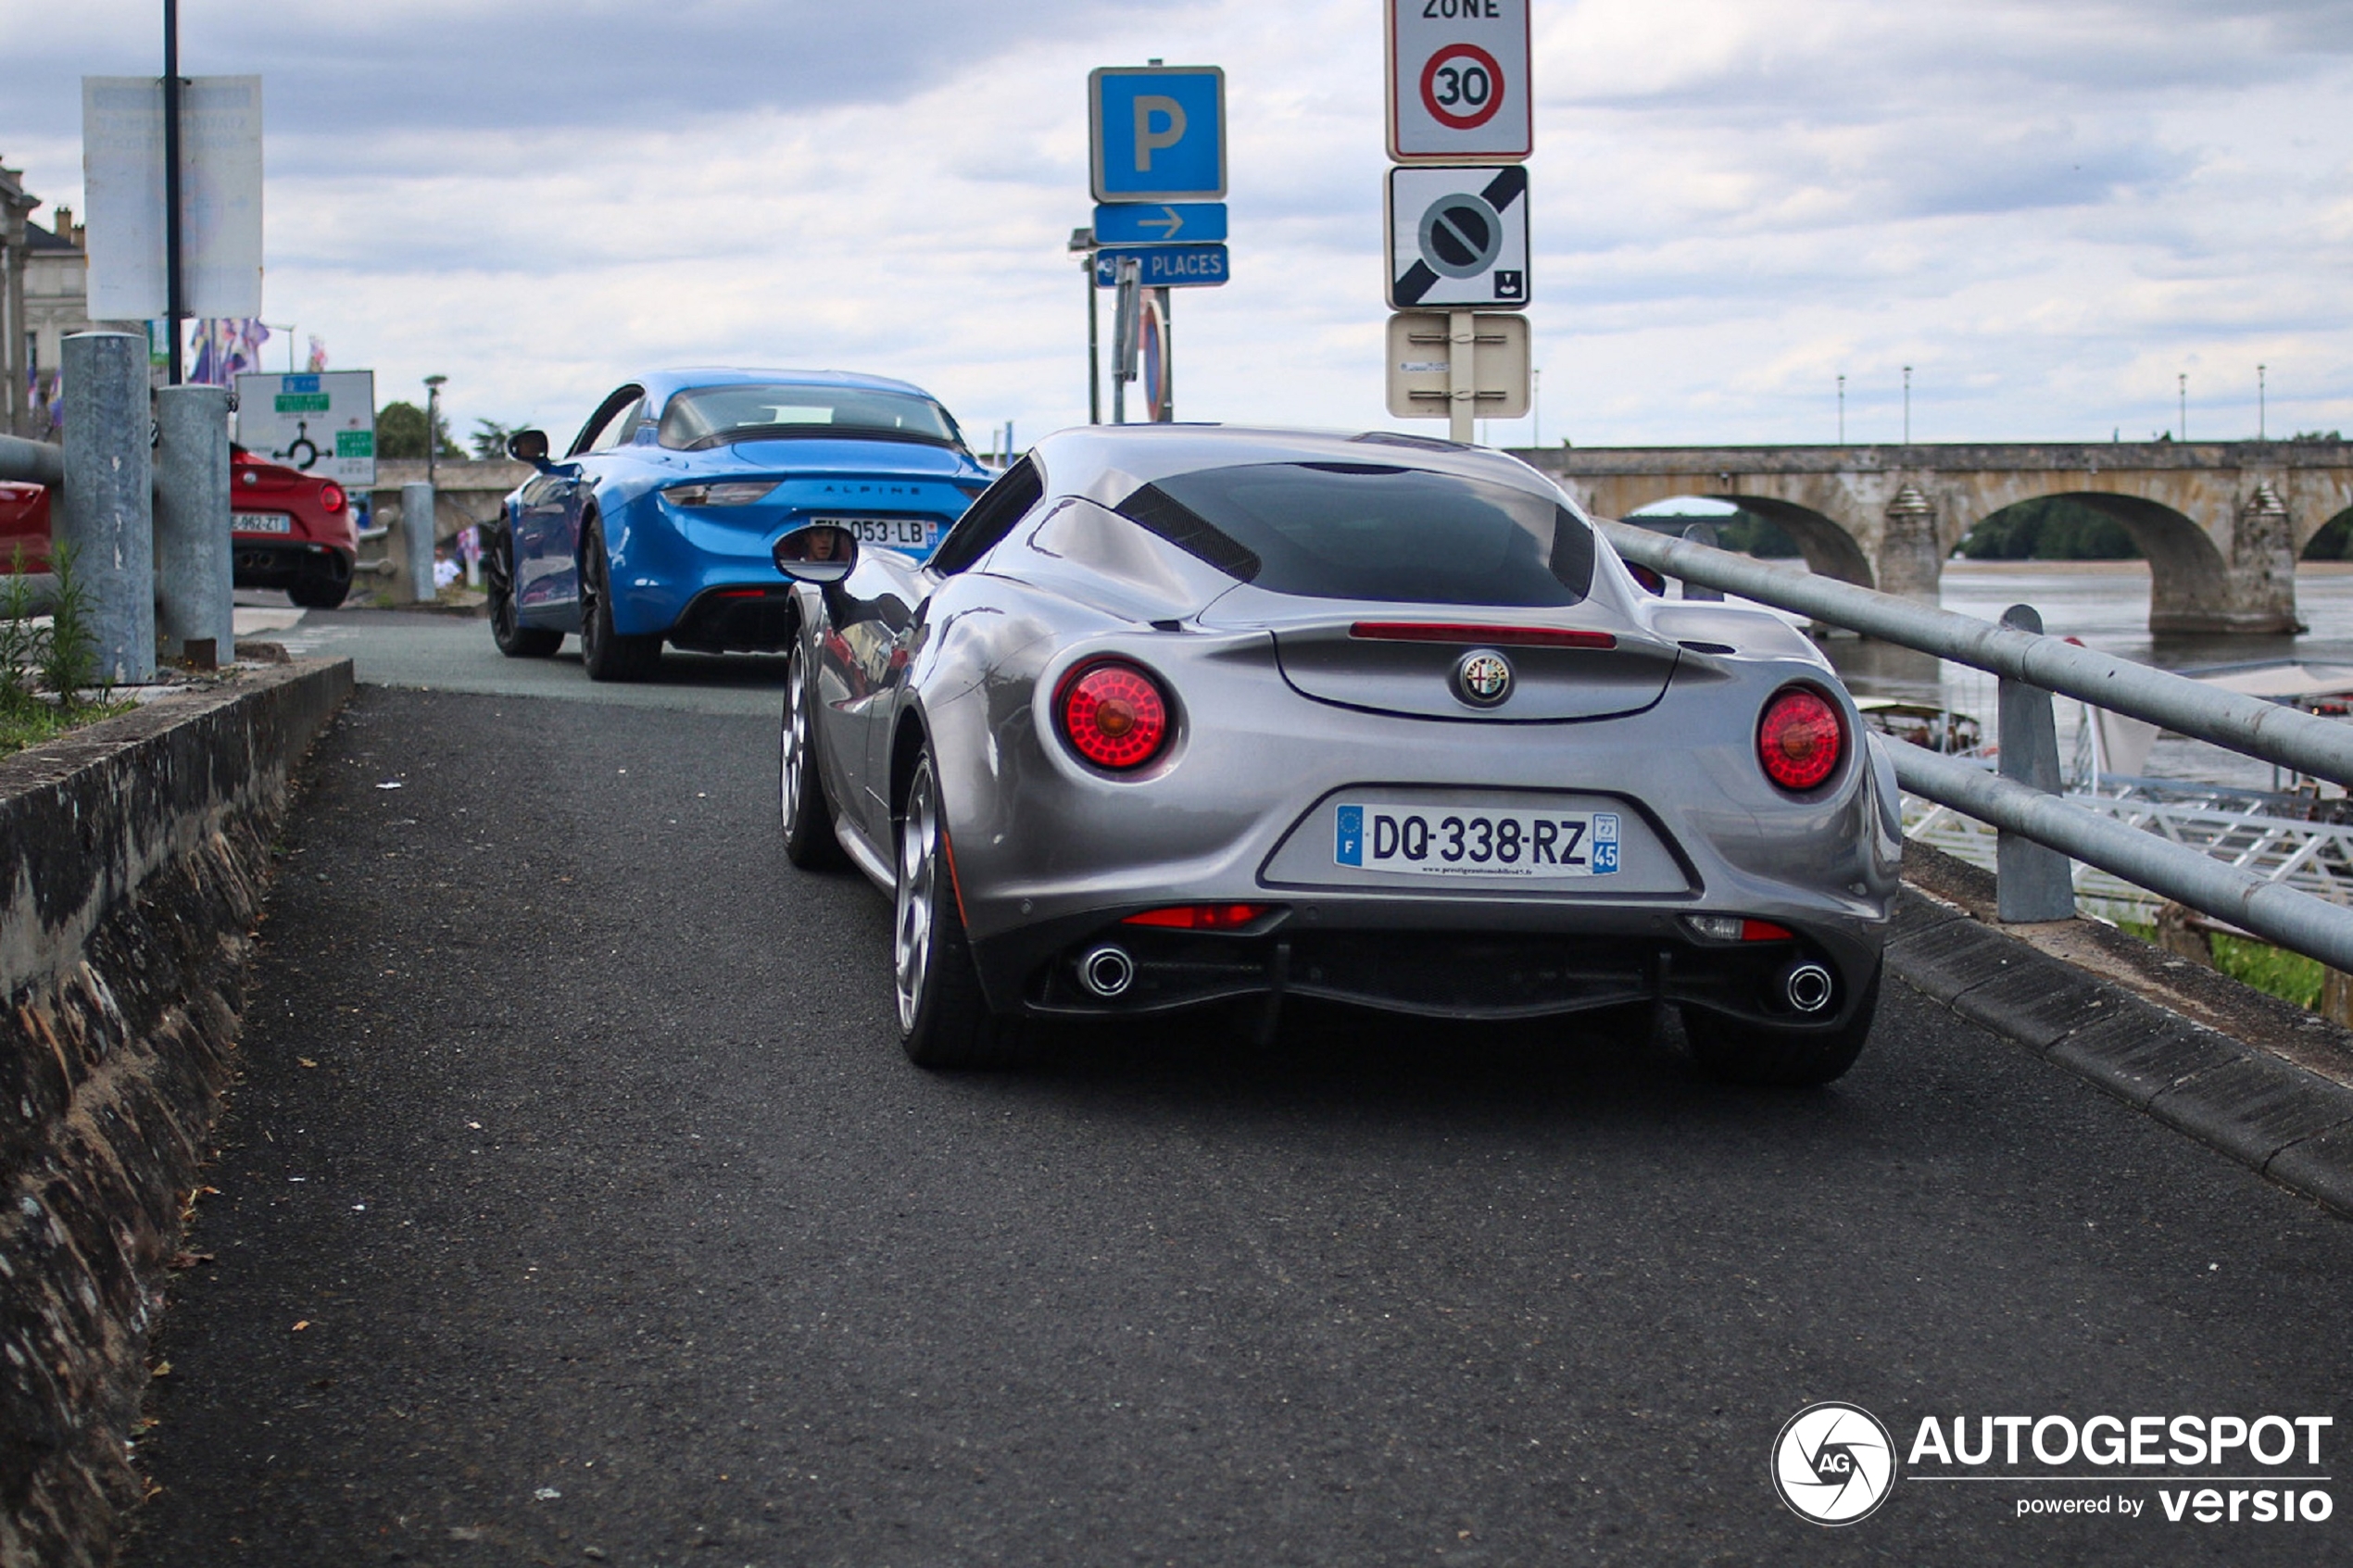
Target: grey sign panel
{"type": "Point", "coordinates": [1458, 238]}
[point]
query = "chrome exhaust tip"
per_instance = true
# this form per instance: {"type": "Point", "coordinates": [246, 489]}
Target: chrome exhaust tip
{"type": "Point", "coordinates": [1107, 971]}
{"type": "Point", "coordinates": [1807, 987]}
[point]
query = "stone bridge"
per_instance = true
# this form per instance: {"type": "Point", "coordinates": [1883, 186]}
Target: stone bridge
{"type": "Point", "coordinates": [2222, 523]}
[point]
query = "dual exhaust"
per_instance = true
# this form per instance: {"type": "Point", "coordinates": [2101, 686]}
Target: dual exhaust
{"type": "Point", "coordinates": [1107, 971]}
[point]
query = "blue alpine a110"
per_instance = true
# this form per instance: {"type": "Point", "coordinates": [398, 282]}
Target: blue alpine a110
{"type": "Point", "coordinates": [658, 525]}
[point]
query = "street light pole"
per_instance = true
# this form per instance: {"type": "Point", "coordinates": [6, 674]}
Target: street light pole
{"type": "Point", "coordinates": [1907, 404]}
{"type": "Point", "coordinates": [175, 303]}
{"type": "Point", "coordinates": [2260, 412]}
{"type": "Point", "coordinates": [2182, 427]}
{"type": "Point", "coordinates": [433, 414]}
{"type": "Point", "coordinates": [1841, 411]}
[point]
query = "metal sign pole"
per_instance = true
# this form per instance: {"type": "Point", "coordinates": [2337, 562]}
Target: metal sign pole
{"type": "Point", "coordinates": [1094, 353]}
{"type": "Point", "coordinates": [1126, 311]}
{"type": "Point", "coordinates": [175, 303]}
{"type": "Point", "coordinates": [1462, 374]}
{"type": "Point", "coordinates": [1167, 360]}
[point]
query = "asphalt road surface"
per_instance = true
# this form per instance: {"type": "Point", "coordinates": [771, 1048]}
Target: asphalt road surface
{"type": "Point", "coordinates": [577, 1205]}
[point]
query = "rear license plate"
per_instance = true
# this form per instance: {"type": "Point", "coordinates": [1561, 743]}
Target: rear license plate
{"type": "Point", "coordinates": [261, 523]}
{"type": "Point", "coordinates": [891, 532]}
{"type": "Point", "coordinates": [1476, 841]}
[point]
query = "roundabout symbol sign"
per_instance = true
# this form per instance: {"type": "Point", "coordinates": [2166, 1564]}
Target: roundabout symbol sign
{"type": "Point", "coordinates": [1462, 86]}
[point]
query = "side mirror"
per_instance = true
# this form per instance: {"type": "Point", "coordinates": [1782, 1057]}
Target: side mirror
{"type": "Point", "coordinates": [529, 447]}
{"type": "Point", "coordinates": [818, 553]}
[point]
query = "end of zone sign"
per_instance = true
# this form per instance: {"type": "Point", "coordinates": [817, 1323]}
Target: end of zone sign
{"type": "Point", "coordinates": [1458, 81]}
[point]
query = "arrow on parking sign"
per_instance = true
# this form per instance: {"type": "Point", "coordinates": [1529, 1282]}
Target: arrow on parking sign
{"type": "Point", "coordinates": [1130, 223]}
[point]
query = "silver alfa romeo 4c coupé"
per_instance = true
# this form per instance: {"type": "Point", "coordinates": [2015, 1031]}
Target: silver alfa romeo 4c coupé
{"type": "Point", "coordinates": [1182, 715]}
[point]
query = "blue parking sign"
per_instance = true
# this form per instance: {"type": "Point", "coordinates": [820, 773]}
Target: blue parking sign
{"type": "Point", "coordinates": [1158, 132]}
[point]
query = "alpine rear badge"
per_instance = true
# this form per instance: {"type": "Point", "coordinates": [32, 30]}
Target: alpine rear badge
{"type": "Point", "coordinates": [1482, 678]}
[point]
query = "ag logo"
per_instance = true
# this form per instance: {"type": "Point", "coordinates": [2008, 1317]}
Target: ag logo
{"type": "Point", "coordinates": [1834, 1463]}
{"type": "Point", "coordinates": [1482, 677]}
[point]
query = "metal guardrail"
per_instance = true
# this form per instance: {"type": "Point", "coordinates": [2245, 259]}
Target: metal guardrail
{"type": "Point", "coordinates": [2032, 667]}
{"type": "Point", "coordinates": [2285, 736]}
{"type": "Point", "coordinates": [31, 462]}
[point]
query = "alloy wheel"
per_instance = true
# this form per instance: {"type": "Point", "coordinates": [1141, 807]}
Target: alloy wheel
{"type": "Point", "coordinates": [796, 741]}
{"type": "Point", "coordinates": [918, 891]}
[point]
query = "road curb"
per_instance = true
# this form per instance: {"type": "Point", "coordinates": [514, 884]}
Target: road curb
{"type": "Point", "coordinates": [2244, 1098]}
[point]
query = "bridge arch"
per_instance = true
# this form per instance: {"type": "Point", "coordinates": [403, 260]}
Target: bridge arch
{"type": "Point", "coordinates": [1829, 549]}
{"type": "Point", "coordinates": [2192, 584]}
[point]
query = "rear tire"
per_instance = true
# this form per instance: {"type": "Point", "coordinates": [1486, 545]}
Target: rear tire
{"type": "Point", "coordinates": [514, 639]}
{"type": "Point", "coordinates": [944, 1020]}
{"type": "Point", "coordinates": [807, 817]}
{"type": "Point", "coordinates": [605, 653]}
{"type": "Point", "coordinates": [1764, 1055]}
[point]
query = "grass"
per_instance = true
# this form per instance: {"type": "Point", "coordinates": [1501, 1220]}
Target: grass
{"type": "Point", "coordinates": [29, 720]}
{"type": "Point", "coordinates": [2292, 977]}
{"type": "Point", "coordinates": [57, 652]}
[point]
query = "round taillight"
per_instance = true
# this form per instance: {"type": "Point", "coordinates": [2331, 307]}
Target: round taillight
{"type": "Point", "coordinates": [331, 496]}
{"type": "Point", "coordinates": [1114, 716]}
{"type": "Point", "coordinates": [1800, 738]}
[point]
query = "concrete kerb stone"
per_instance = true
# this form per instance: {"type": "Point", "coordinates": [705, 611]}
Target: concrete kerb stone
{"type": "Point", "coordinates": [135, 856]}
{"type": "Point", "coordinates": [2290, 1124]}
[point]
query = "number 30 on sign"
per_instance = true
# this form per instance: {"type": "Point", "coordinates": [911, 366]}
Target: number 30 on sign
{"type": "Point", "coordinates": [1458, 88]}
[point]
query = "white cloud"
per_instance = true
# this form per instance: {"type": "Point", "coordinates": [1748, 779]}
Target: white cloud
{"type": "Point", "coordinates": [2048, 210]}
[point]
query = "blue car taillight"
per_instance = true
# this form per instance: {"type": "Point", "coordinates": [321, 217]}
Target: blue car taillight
{"type": "Point", "coordinates": [731, 493]}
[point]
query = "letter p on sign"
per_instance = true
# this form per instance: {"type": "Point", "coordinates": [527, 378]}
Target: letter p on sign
{"type": "Point", "coordinates": [1160, 122]}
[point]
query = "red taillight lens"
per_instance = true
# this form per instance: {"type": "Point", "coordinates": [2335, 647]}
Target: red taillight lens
{"type": "Point", "coordinates": [1800, 738]}
{"type": "Point", "coordinates": [1763, 931]}
{"type": "Point", "coordinates": [1114, 715]}
{"type": "Point", "coordinates": [1201, 917]}
{"type": "Point", "coordinates": [330, 497]}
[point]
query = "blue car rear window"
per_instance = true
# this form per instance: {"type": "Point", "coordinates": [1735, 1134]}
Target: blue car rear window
{"type": "Point", "coordinates": [713, 416]}
{"type": "Point", "coordinates": [1372, 530]}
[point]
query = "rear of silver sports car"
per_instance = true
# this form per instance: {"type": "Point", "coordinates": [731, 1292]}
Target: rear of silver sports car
{"type": "Point", "coordinates": [1458, 813]}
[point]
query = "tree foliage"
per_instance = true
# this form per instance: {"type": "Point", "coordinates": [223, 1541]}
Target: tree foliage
{"type": "Point", "coordinates": [489, 438]}
{"type": "Point", "coordinates": [2050, 528]}
{"type": "Point", "coordinates": [400, 433]}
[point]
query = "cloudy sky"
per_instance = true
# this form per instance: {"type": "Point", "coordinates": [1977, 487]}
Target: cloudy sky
{"type": "Point", "coordinates": [2049, 210]}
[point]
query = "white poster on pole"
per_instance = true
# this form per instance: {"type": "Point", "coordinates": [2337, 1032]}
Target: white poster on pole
{"type": "Point", "coordinates": [320, 422]}
{"type": "Point", "coordinates": [220, 196]}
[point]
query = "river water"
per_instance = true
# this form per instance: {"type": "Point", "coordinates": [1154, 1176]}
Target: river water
{"type": "Point", "coordinates": [2107, 605]}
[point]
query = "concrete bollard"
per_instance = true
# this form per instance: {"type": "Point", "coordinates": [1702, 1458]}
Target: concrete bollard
{"type": "Point", "coordinates": [108, 517]}
{"type": "Point", "coordinates": [195, 604]}
{"type": "Point", "coordinates": [415, 585]}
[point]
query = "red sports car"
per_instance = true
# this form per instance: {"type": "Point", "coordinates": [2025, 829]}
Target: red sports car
{"type": "Point", "coordinates": [291, 530]}
{"type": "Point", "coordinates": [24, 526]}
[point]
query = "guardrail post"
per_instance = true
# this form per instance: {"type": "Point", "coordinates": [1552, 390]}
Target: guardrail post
{"type": "Point", "coordinates": [194, 603]}
{"type": "Point", "coordinates": [415, 580]}
{"type": "Point", "coordinates": [1701, 534]}
{"type": "Point", "coordinates": [108, 517]}
{"type": "Point", "coordinates": [2032, 882]}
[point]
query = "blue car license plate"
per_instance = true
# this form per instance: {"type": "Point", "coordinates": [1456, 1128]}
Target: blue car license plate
{"type": "Point", "coordinates": [1476, 841]}
{"type": "Point", "coordinates": [915, 533]}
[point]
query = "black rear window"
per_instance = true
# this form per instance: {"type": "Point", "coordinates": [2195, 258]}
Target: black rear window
{"type": "Point", "coordinates": [1371, 530]}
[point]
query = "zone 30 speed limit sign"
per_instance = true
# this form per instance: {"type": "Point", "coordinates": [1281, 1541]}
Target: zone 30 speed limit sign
{"type": "Point", "coordinates": [1458, 81]}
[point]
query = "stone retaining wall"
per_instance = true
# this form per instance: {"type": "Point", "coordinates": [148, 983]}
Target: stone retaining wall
{"type": "Point", "coordinates": [133, 858]}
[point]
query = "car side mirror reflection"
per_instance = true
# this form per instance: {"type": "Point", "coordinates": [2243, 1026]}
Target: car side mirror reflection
{"type": "Point", "coordinates": [529, 447]}
{"type": "Point", "coordinates": [819, 553]}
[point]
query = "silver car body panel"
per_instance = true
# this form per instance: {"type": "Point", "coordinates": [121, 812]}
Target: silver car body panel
{"type": "Point", "coordinates": [1277, 721]}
